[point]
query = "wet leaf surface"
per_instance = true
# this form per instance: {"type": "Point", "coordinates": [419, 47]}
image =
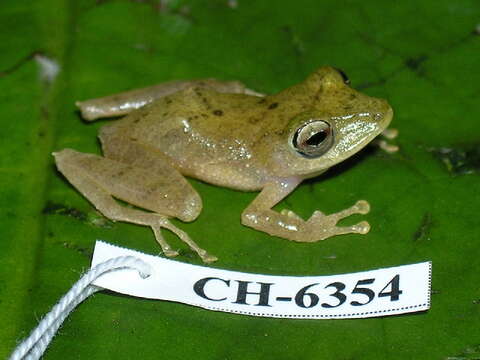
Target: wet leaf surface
{"type": "Point", "coordinates": [421, 56]}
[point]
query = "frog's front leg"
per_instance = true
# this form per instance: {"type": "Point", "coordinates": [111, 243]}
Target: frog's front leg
{"type": "Point", "coordinates": [259, 215]}
{"type": "Point", "coordinates": [125, 102]}
{"type": "Point", "coordinates": [167, 194]}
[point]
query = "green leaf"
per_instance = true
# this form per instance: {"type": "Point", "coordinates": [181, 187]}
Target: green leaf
{"type": "Point", "coordinates": [421, 56]}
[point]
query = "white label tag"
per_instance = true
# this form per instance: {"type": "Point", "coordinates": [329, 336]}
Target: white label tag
{"type": "Point", "coordinates": [380, 292]}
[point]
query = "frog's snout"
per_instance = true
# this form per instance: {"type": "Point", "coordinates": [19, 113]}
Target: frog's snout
{"type": "Point", "coordinates": [383, 114]}
{"type": "Point", "coordinates": [388, 116]}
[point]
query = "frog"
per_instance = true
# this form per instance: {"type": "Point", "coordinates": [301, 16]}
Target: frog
{"type": "Point", "coordinates": [228, 135]}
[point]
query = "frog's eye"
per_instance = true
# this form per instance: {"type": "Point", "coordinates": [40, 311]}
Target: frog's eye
{"type": "Point", "coordinates": [313, 139]}
{"type": "Point", "coordinates": [344, 76]}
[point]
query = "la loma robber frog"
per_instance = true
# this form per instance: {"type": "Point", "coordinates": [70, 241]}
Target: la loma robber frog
{"type": "Point", "coordinates": [228, 135]}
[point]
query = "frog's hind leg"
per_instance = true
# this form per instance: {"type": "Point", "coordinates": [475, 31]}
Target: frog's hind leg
{"type": "Point", "coordinates": [125, 102]}
{"type": "Point", "coordinates": [101, 180]}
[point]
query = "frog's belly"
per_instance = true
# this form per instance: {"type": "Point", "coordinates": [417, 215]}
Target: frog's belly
{"type": "Point", "coordinates": [233, 175]}
{"type": "Point", "coordinates": [224, 161]}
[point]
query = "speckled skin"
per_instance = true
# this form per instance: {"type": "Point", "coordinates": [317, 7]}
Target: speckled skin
{"type": "Point", "coordinates": [241, 141]}
{"type": "Point", "coordinates": [233, 138]}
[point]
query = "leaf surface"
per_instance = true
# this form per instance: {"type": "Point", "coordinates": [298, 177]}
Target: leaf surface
{"type": "Point", "coordinates": [421, 56]}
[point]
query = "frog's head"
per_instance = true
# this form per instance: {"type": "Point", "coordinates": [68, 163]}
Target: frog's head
{"type": "Point", "coordinates": [340, 122]}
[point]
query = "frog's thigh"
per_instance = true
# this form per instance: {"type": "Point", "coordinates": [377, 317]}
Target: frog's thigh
{"type": "Point", "coordinates": [125, 102]}
{"type": "Point", "coordinates": [99, 179]}
{"type": "Point", "coordinates": [166, 194]}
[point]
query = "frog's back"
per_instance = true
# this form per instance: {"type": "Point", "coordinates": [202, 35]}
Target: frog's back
{"type": "Point", "coordinates": [208, 135]}
{"type": "Point", "coordinates": [201, 112]}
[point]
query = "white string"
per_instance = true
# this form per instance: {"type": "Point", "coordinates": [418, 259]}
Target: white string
{"type": "Point", "coordinates": [41, 345]}
{"type": "Point", "coordinates": [34, 346]}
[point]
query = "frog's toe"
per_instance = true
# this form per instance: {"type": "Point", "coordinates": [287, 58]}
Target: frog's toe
{"type": "Point", "coordinates": [170, 252]}
{"type": "Point", "coordinates": [390, 133]}
{"type": "Point", "coordinates": [207, 258]}
{"type": "Point", "coordinates": [362, 207]}
{"type": "Point", "coordinates": [165, 223]}
{"type": "Point", "coordinates": [290, 214]}
{"type": "Point", "coordinates": [362, 227]}
{"type": "Point", "coordinates": [385, 146]}
{"type": "Point", "coordinates": [327, 230]}
{"type": "Point", "coordinates": [317, 214]}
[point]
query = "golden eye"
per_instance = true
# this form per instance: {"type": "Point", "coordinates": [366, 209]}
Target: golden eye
{"type": "Point", "coordinates": [313, 139]}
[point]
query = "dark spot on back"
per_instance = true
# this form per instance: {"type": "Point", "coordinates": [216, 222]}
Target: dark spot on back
{"type": "Point", "coordinates": [206, 102]}
{"type": "Point", "coordinates": [273, 106]}
{"type": "Point", "coordinates": [218, 112]}
{"type": "Point", "coordinates": [262, 101]}
{"type": "Point", "coordinates": [168, 100]}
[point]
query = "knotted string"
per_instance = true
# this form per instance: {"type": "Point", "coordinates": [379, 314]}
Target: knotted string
{"type": "Point", "coordinates": [34, 346]}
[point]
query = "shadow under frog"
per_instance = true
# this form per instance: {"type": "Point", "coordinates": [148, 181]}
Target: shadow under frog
{"type": "Point", "coordinates": [228, 135]}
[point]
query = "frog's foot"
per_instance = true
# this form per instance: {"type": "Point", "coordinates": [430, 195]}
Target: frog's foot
{"type": "Point", "coordinates": [288, 225]}
{"type": "Point", "coordinates": [321, 226]}
{"type": "Point", "coordinates": [167, 250]}
{"type": "Point", "coordinates": [383, 144]}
